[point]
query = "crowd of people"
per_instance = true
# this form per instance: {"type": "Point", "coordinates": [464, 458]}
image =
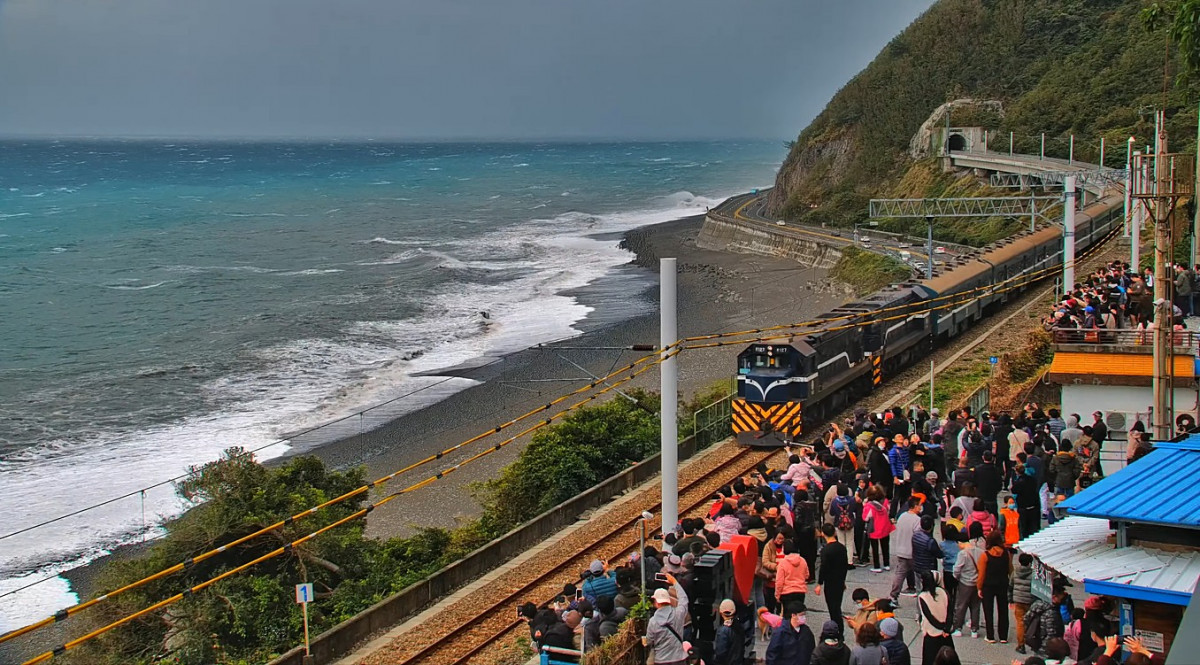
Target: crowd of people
{"type": "Point", "coordinates": [1116, 297]}
{"type": "Point", "coordinates": [936, 503]}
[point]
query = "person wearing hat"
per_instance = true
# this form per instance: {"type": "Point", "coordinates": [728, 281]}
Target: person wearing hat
{"type": "Point", "coordinates": [793, 642]}
{"type": "Point", "coordinates": [599, 582]}
{"type": "Point", "coordinates": [831, 650]}
{"type": "Point", "coordinates": [729, 645]}
{"type": "Point", "coordinates": [897, 651]}
{"type": "Point", "coordinates": [664, 631]}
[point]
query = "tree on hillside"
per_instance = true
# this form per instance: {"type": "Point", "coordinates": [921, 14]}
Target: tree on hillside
{"type": "Point", "coordinates": [570, 457]}
{"type": "Point", "coordinates": [1181, 20]}
{"type": "Point", "coordinates": [249, 616]}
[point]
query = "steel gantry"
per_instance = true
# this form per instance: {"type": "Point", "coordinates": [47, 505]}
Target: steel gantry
{"type": "Point", "coordinates": [1097, 180]}
{"type": "Point", "coordinates": [1035, 207]}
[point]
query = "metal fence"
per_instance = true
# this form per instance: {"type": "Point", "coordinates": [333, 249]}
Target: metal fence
{"type": "Point", "coordinates": [713, 422]}
{"type": "Point", "coordinates": [980, 400]}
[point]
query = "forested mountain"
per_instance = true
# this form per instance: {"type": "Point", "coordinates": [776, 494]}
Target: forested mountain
{"type": "Point", "coordinates": [1084, 67]}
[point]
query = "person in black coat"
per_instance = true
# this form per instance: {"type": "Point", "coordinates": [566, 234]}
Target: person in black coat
{"type": "Point", "coordinates": [792, 643]}
{"type": "Point", "coordinates": [988, 481]}
{"type": "Point", "coordinates": [1029, 503]}
{"type": "Point", "coordinates": [878, 466]}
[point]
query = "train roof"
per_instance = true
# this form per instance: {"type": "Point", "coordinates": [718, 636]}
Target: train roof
{"type": "Point", "coordinates": [957, 276]}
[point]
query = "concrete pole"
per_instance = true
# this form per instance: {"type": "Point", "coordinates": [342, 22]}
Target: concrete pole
{"type": "Point", "coordinates": [1043, 153]}
{"type": "Point", "coordinates": [1139, 209]}
{"type": "Point", "coordinates": [1071, 151]}
{"type": "Point", "coordinates": [1163, 284]}
{"type": "Point", "coordinates": [1128, 186]}
{"type": "Point", "coordinates": [1010, 144]}
{"type": "Point", "coordinates": [931, 405]}
{"type": "Point", "coordinates": [985, 138]}
{"type": "Point", "coordinates": [1101, 153]}
{"type": "Point", "coordinates": [929, 268]}
{"type": "Point", "coordinates": [669, 376]}
{"type": "Point", "coordinates": [1069, 234]}
{"type": "Point", "coordinates": [1196, 204]}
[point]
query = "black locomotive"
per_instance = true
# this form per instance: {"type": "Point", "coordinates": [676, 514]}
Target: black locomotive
{"type": "Point", "coordinates": [783, 383]}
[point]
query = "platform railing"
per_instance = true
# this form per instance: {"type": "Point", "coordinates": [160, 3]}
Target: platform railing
{"type": "Point", "coordinates": [1186, 341]}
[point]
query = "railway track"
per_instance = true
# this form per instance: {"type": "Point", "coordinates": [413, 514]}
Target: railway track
{"type": "Point", "coordinates": [455, 637]}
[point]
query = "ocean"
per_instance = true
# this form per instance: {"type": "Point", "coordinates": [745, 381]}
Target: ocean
{"type": "Point", "coordinates": [166, 300]}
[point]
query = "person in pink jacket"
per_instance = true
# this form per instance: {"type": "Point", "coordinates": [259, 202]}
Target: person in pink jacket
{"type": "Point", "coordinates": [979, 514]}
{"type": "Point", "coordinates": [879, 527]}
{"type": "Point", "coordinates": [791, 575]}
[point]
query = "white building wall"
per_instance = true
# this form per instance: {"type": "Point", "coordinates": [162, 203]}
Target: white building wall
{"type": "Point", "coordinates": [1136, 400]}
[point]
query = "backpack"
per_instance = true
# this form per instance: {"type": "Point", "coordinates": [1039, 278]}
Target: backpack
{"type": "Point", "coordinates": [845, 518]}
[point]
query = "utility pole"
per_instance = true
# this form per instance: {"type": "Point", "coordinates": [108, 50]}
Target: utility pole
{"type": "Point", "coordinates": [1128, 186]}
{"type": "Point", "coordinates": [1196, 204]}
{"type": "Point", "coordinates": [1163, 283]}
{"type": "Point", "coordinates": [1138, 181]}
{"type": "Point", "coordinates": [668, 371]}
{"type": "Point", "coordinates": [1068, 275]}
{"type": "Point", "coordinates": [929, 247]}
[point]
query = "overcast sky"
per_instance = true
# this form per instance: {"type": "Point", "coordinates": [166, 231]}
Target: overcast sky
{"type": "Point", "coordinates": [433, 69]}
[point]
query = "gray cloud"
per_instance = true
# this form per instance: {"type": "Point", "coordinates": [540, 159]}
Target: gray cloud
{"type": "Point", "coordinates": [433, 69]}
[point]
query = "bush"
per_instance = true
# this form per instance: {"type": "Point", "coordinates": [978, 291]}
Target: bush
{"type": "Point", "coordinates": [867, 272]}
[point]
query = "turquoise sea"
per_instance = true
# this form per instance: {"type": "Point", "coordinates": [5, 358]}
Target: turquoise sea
{"type": "Point", "coordinates": [163, 301]}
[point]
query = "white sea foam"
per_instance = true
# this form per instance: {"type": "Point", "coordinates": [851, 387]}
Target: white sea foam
{"type": "Point", "coordinates": [131, 287]}
{"type": "Point", "coordinates": [21, 608]}
{"type": "Point", "coordinates": [313, 271]}
{"type": "Point", "coordinates": [9, 215]}
{"type": "Point", "coordinates": [380, 240]}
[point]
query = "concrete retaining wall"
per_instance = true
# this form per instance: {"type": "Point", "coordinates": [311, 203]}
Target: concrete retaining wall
{"type": "Point", "coordinates": [341, 639]}
{"type": "Point", "coordinates": [728, 236]}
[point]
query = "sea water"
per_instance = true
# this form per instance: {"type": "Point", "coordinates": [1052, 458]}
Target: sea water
{"type": "Point", "coordinates": [164, 301]}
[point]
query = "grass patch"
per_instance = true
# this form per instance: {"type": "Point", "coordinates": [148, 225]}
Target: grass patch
{"type": "Point", "coordinates": [866, 272]}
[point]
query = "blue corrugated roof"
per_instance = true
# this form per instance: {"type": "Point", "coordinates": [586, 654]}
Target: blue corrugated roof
{"type": "Point", "coordinates": [1161, 488]}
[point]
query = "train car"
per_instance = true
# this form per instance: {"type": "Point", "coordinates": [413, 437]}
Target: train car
{"type": "Point", "coordinates": [784, 383]}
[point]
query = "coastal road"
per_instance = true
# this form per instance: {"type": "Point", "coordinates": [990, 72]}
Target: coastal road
{"type": "Point", "coordinates": [751, 209]}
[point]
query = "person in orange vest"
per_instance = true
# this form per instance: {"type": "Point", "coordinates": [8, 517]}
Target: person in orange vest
{"type": "Point", "coordinates": [1010, 522]}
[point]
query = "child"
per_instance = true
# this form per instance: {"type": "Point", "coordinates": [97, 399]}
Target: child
{"type": "Point", "coordinates": [1020, 595]}
{"type": "Point", "coordinates": [1074, 631]}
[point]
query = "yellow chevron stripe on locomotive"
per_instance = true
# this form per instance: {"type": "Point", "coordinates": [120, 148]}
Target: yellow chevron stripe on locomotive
{"type": "Point", "coordinates": [767, 425]}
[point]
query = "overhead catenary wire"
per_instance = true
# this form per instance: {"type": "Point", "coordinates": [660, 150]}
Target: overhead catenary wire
{"type": "Point", "coordinates": [652, 359]}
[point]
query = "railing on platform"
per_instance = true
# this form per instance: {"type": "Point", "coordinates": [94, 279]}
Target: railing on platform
{"type": "Point", "coordinates": [1186, 341]}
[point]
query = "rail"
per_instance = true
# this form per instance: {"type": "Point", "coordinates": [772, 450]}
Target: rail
{"type": "Point", "coordinates": [341, 639]}
{"type": "Point", "coordinates": [1184, 341]}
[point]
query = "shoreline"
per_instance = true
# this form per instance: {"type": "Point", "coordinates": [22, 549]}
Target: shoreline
{"type": "Point", "coordinates": [717, 291]}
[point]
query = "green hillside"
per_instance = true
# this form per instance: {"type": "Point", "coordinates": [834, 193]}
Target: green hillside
{"type": "Point", "coordinates": [1087, 67]}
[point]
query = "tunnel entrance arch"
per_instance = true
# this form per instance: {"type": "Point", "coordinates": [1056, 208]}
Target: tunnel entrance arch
{"type": "Point", "coordinates": [957, 143]}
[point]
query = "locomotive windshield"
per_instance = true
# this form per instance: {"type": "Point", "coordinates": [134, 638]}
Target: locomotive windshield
{"type": "Point", "coordinates": [765, 360]}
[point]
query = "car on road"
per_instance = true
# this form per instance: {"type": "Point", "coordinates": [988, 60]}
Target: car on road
{"type": "Point", "coordinates": [904, 245]}
{"type": "Point", "coordinates": [939, 250]}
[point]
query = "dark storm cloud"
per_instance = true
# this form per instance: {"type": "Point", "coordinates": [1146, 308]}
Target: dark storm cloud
{"type": "Point", "coordinates": [433, 69]}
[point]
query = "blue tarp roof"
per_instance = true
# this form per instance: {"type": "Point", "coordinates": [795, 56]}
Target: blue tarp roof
{"type": "Point", "coordinates": [1161, 488]}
